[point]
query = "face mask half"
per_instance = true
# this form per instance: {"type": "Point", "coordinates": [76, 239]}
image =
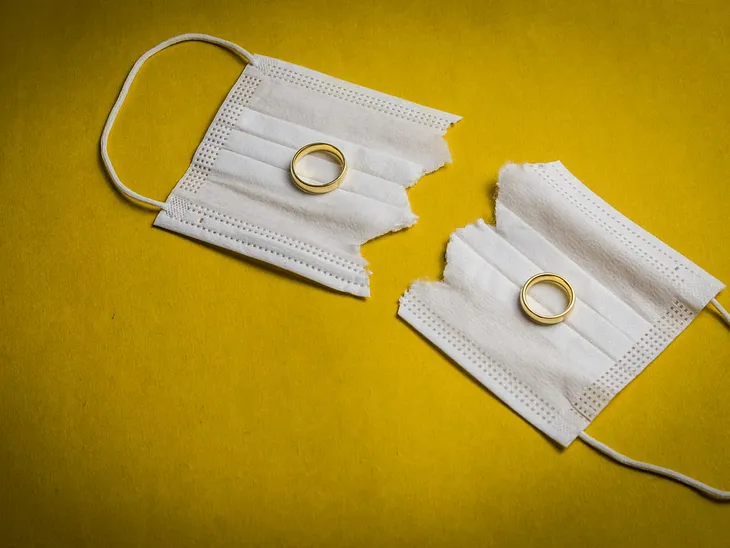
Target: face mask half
{"type": "Point", "coordinates": [633, 296]}
{"type": "Point", "coordinates": [238, 193]}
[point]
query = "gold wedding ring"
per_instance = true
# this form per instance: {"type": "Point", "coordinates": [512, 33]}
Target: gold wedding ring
{"type": "Point", "coordinates": [315, 188]}
{"type": "Point", "coordinates": [554, 279]}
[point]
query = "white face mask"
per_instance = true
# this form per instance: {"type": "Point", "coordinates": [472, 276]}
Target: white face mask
{"type": "Point", "coordinates": [237, 192]}
{"type": "Point", "coordinates": [634, 295]}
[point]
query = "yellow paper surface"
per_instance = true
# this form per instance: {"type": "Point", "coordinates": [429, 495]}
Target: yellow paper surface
{"type": "Point", "coordinates": [157, 392]}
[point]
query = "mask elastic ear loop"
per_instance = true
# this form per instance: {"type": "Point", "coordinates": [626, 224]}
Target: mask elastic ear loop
{"type": "Point", "coordinates": [660, 470]}
{"type": "Point", "coordinates": [724, 313]}
{"type": "Point", "coordinates": [123, 95]}
{"type": "Point", "coordinates": [654, 469]}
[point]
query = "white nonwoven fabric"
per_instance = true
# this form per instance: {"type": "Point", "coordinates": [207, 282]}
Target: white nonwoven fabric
{"type": "Point", "coordinates": [634, 295]}
{"type": "Point", "coordinates": [237, 192]}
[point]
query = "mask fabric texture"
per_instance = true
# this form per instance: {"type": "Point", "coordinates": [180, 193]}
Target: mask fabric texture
{"type": "Point", "coordinates": [237, 192]}
{"type": "Point", "coordinates": [634, 295]}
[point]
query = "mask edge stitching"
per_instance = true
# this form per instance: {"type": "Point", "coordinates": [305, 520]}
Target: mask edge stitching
{"type": "Point", "coordinates": [272, 251]}
{"type": "Point", "coordinates": [592, 401]}
{"type": "Point", "coordinates": [270, 234]}
{"type": "Point", "coordinates": [217, 133]}
{"type": "Point", "coordinates": [558, 420]}
{"type": "Point", "coordinates": [594, 200]}
{"type": "Point", "coordinates": [274, 70]}
{"type": "Point", "coordinates": [621, 235]}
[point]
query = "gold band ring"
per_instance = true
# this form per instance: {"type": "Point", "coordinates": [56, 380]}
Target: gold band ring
{"type": "Point", "coordinates": [554, 279]}
{"type": "Point", "coordinates": [318, 147]}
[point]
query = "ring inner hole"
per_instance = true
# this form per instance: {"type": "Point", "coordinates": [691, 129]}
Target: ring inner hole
{"type": "Point", "coordinates": [547, 298]}
{"type": "Point", "coordinates": [318, 168]}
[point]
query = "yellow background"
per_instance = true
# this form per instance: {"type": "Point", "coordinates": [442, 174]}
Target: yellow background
{"type": "Point", "coordinates": [157, 392]}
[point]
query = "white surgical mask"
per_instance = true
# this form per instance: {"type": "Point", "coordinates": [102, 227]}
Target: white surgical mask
{"type": "Point", "coordinates": [634, 295]}
{"type": "Point", "coordinates": [237, 192]}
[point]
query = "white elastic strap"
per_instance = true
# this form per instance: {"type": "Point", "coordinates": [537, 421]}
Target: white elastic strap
{"type": "Point", "coordinates": [660, 470]}
{"type": "Point", "coordinates": [654, 469]}
{"type": "Point", "coordinates": [125, 89]}
{"type": "Point", "coordinates": [724, 313]}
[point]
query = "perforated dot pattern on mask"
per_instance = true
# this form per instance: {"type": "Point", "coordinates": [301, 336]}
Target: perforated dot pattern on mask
{"type": "Point", "coordinates": [207, 153]}
{"type": "Point", "coordinates": [622, 372]}
{"type": "Point", "coordinates": [470, 352]}
{"type": "Point", "coordinates": [279, 244]}
{"type": "Point", "coordinates": [612, 225]}
{"type": "Point", "coordinates": [358, 97]}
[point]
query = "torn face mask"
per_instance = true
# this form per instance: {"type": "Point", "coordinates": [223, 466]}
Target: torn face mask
{"type": "Point", "coordinates": [633, 296]}
{"type": "Point", "coordinates": [237, 192]}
